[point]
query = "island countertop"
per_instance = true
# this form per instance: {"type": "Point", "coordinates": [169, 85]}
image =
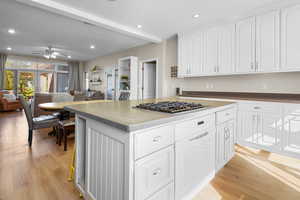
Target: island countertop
{"type": "Point", "coordinates": [124, 115]}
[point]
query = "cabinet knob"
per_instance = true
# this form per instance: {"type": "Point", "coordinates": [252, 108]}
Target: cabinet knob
{"type": "Point", "coordinates": [200, 123]}
{"type": "Point", "coordinates": [256, 107]}
{"type": "Point", "coordinates": [156, 139]}
{"type": "Point", "coordinates": [156, 172]}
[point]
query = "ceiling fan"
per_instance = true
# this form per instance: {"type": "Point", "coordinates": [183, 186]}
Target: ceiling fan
{"type": "Point", "coordinates": [50, 53]}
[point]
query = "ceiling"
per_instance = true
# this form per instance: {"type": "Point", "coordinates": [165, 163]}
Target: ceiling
{"type": "Point", "coordinates": [36, 29]}
{"type": "Point", "coordinates": [59, 23]}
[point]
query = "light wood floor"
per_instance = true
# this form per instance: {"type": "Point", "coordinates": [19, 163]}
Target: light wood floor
{"type": "Point", "coordinates": [41, 173]}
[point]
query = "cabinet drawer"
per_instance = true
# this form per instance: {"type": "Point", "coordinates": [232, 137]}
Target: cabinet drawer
{"type": "Point", "coordinates": [225, 115]}
{"type": "Point", "coordinates": [194, 125]}
{"type": "Point", "coordinates": [153, 172]}
{"type": "Point", "coordinates": [167, 193]}
{"type": "Point", "coordinates": [153, 140]}
{"type": "Point", "coordinates": [274, 108]}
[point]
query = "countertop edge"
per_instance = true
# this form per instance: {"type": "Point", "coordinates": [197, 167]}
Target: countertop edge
{"type": "Point", "coordinates": [145, 125]}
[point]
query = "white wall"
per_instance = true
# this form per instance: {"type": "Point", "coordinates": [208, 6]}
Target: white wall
{"type": "Point", "coordinates": [166, 53]}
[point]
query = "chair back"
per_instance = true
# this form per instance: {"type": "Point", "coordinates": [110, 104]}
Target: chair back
{"type": "Point", "coordinates": [28, 112]}
{"type": "Point", "coordinates": [124, 96]}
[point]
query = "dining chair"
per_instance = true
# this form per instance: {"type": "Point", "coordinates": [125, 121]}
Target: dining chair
{"type": "Point", "coordinates": [64, 128]}
{"type": "Point", "coordinates": [34, 123]}
{"type": "Point", "coordinates": [124, 96]}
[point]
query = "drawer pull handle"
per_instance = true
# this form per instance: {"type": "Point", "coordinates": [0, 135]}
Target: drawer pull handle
{"type": "Point", "coordinates": [156, 139]}
{"type": "Point", "coordinates": [200, 123]}
{"type": "Point", "coordinates": [256, 107]}
{"type": "Point", "coordinates": [227, 114]}
{"type": "Point", "coordinates": [156, 172]}
{"type": "Point", "coordinates": [199, 136]}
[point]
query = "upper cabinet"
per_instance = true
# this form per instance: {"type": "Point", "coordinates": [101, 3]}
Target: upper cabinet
{"type": "Point", "coordinates": [264, 43]}
{"type": "Point", "coordinates": [258, 43]}
{"type": "Point", "coordinates": [290, 40]}
{"type": "Point", "coordinates": [267, 42]}
{"type": "Point", "coordinates": [245, 43]}
{"type": "Point", "coordinates": [207, 52]}
{"type": "Point", "coordinates": [226, 49]}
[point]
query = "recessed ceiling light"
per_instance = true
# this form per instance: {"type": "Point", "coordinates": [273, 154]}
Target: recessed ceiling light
{"type": "Point", "coordinates": [139, 26]}
{"type": "Point", "coordinates": [196, 15]}
{"type": "Point", "coordinates": [11, 31]}
{"type": "Point", "coordinates": [92, 46]}
{"type": "Point", "coordinates": [69, 57]}
{"type": "Point", "coordinates": [8, 48]}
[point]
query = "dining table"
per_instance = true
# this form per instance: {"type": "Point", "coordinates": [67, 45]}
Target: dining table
{"type": "Point", "coordinates": [58, 107]}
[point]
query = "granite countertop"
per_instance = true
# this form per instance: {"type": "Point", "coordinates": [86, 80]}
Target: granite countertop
{"type": "Point", "coordinates": [247, 96]}
{"type": "Point", "coordinates": [124, 115]}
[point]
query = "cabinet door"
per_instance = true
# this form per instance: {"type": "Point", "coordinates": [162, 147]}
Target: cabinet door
{"type": "Point", "coordinates": [245, 36]}
{"type": "Point", "coordinates": [184, 51]}
{"type": "Point", "coordinates": [291, 130]}
{"type": "Point", "coordinates": [226, 63]}
{"type": "Point", "coordinates": [211, 52]}
{"type": "Point", "coordinates": [247, 126]}
{"type": "Point", "coordinates": [197, 58]}
{"type": "Point", "coordinates": [153, 172]}
{"type": "Point", "coordinates": [290, 38]}
{"type": "Point", "coordinates": [195, 161]}
{"type": "Point", "coordinates": [224, 143]}
{"type": "Point", "coordinates": [267, 42]}
{"type": "Point", "coordinates": [268, 132]}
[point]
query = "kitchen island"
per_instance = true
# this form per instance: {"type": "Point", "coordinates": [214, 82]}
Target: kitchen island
{"type": "Point", "coordinates": [128, 153]}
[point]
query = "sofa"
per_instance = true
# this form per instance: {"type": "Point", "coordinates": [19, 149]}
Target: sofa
{"type": "Point", "coordinates": [9, 102]}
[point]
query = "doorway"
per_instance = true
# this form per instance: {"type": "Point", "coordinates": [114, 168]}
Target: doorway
{"type": "Point", "coordinates": [149, 79]}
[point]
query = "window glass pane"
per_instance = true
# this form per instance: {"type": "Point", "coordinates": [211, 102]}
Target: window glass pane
{"type": "Point", "coordinates": [62, 82]}
{"type": "Point", "coordinates": [46, 82]}
{"type": "Point", "coordinates": [9, 80]}
{"type": "Point", "coordinates": [62, 68]}
{"type": "Point", "coordinates": [28, 65]}
{"type": "Point", "coordinates": [26, 84]}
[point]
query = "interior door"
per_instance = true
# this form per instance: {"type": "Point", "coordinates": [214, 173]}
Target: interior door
{"type": "Point", "coordinates": [267, 42]}
{"type": "Point", "coordinates": [195, 159]}
{"type": "Point", "coordinates": [149, 80]}
{"type": "Point", "coordinates": [226, 35]}
{"type": "Point", "coordinates": [211, 52]}
{"type": "Point", "coordinates": [290, 38]}
{"type": "Point", "coordinates": [245, 36]}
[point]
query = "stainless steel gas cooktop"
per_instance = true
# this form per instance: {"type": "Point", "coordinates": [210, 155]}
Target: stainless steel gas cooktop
{"type": "Point", "coordinates": [170, 106]}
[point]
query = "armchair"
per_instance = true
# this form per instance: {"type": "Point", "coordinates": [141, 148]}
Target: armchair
{"type": "Point", "coordinates": [9, 105]}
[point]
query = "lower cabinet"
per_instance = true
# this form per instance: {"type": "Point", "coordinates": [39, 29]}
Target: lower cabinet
{"type": "Point", "coordinates": [167, 193]}
{"type": "Point", "coordinates": [224, 143]}
{"type": "Point", "coordinates": [195, 162]}
{"type": "Point", "coordinates": [153, 173]}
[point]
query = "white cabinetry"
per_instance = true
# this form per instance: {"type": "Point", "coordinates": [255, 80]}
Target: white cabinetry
{"type": "Point", "coordinates": [211, 52]}
{"type": "Point", "coordinates": [267, 42]}
{"type": "Point", "coordinates": [194, 162]}
{"type": "Point", "coordinates": [245, 52]}
{"type": "Point", "coordinates": [154, 172]}
{"type": "Point", "coordinates": [207, 52]}
{"type": "Point", "coordinates": [260, 125]}
{"type": "Point", "coordinates": [290, 32]}
{"type": "Point", "coordinates": [226, 49]}
{"type": "Point", "coordinates": [226, 126]}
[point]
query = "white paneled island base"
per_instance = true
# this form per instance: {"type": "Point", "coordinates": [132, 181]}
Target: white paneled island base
{"type": "Point", "coordinates": [168, 161]}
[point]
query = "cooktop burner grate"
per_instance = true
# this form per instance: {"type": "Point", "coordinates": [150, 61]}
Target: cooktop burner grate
{"type": "Point", "coordinates": [170, 106]}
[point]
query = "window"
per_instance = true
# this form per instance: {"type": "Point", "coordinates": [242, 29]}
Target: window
{"type": "Point", "coordinates": [9, 80]}
{"type": "Point", "coordinates": [28, 76]}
